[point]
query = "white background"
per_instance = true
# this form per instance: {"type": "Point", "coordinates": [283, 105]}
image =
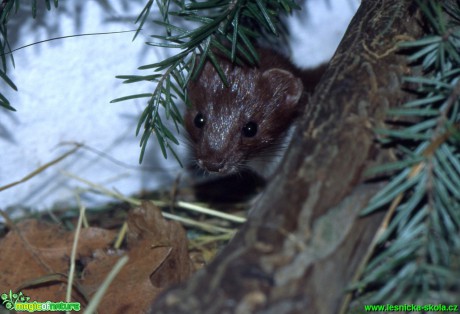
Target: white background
{"type": "Point", "coordinates": [65, 88]}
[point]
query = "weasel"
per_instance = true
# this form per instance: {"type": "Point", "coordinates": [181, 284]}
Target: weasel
{"type": "Point", "coordinates": [244, 124]}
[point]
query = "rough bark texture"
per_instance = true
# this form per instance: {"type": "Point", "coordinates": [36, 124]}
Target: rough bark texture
{"type": "Point", "coordinates": [304, 241]}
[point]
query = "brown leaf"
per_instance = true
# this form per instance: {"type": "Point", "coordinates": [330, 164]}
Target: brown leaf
{"type": "Point", "coordinates": [35, 258]}
{"type": "Point", "coordinates": [158, 257]}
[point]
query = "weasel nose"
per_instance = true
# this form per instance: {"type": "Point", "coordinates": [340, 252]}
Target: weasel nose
{"type": "Point", "coordinates": [221, 167]}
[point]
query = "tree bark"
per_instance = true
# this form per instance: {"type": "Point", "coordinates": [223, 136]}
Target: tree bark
{"type": "Point", "coordinates": [304, 241]}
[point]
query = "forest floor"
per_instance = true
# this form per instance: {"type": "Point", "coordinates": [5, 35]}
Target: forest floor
{"type": "Point", "coordinates": [69, 254]}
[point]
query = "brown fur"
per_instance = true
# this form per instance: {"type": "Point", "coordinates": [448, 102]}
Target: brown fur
{"type": "Point", "coordinates": [268, 95]}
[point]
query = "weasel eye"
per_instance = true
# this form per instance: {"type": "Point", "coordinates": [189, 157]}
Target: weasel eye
{"type": "Point", "coordinates": [199, 120]}
{"type": "Point", "coordinates": [250, 129]}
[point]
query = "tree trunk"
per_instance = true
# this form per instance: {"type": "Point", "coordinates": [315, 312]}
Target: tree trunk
{"type": "Point", "coordinates": [304, 241]}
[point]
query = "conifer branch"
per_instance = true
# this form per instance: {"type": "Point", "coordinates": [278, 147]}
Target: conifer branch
{"type": "Point", "coordinates": [7, 9]}
{"type": "Point", "coordinates": [228, 27]}
{"type": "Point", "coordinates": [417, 256]}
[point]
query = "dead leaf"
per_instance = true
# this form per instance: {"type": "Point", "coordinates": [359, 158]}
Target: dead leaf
{"type": "Point", "coordinates": [157, 250]}
{"type": "Point", "coordinates": [34, 250]}
{"type": "Point", "coordinates": [158, 257]}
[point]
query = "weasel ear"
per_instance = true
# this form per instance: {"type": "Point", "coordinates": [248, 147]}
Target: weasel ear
{"type": "Point", "coordinates": [284, 84]}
